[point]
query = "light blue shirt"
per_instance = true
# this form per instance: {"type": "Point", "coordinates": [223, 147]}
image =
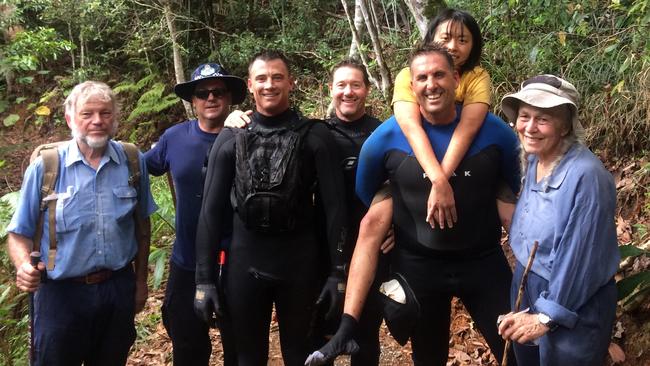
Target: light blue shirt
{"type": "Point", "coordinates": [94, 211]}
{"type": "Point", "coordinates": [571, 215]}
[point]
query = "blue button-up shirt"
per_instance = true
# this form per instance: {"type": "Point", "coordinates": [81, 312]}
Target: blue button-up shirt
{"type": "Point", "coordinates": [94, 211]}
{"type": "Point", "coordinates": [571, 214]}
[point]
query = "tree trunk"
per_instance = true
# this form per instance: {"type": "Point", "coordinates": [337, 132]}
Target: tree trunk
{"type": "Point", "coordinates": [71, 49]}
{"type": "Point", "coordinates": [178, 60]}
{"type": "Point", "coordinates": [416, 7]}
{"type": "Point", "coordinates": [82, 53]}
{"type": "Point", "coordinates": [358, 26]}
{"type": "Point", "coordinates": [386, 80]}
{"type": "Point", "coordinates": [402, 14]}
{"type": "Point", "coordinates": [356, 39]}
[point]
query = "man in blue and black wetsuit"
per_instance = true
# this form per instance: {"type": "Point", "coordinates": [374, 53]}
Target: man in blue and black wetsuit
{"type": "Point", "coordinates": [275, 250]}
{"type": "Point", "coordinates": [465, 261]}
{"type": "Point", "coordinates": [182, 151]}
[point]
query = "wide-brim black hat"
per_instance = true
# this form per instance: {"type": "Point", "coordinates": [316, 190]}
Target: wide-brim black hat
{"type": "Point", "coordinates": [400, 318]}
{"type": "Point", "coordinates": [236, 85]}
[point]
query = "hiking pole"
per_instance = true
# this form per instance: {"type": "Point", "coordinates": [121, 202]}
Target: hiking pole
{"type": "Point", "coordinates": [34, 258]}
{"type": "Point", "coordinates": [520, 294]}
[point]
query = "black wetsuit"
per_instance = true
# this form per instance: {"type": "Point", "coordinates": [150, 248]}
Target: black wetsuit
{"type": "Point", "coordinates": [465, 261]}
{"type": "Point", "coordinates": [349, 137]}
{"type": "Point", "coordinates": [268, 268]}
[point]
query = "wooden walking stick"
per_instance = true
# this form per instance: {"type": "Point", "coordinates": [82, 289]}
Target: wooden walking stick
{"type": "Point", "coordinates": [34, 258]}
{"type": "Point", "coordinates": [520, 293]}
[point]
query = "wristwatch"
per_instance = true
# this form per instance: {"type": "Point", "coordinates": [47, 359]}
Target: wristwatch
{"type": "Point", "coordinates": [547, 321]}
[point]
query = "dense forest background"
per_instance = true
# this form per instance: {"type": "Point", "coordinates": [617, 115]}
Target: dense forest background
{"type": "Point", "coordinates": [143, 47]}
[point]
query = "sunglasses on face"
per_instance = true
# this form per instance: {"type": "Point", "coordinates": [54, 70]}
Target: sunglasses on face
{"type": "Point", "coordinates": [204, 94]}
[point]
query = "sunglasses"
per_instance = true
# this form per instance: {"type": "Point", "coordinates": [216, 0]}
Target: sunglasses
{"type": "Point", "coordinates": [204, 94]}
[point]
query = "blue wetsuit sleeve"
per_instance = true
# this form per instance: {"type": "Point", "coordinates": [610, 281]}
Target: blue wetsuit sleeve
{"type": "Point", "coordinates": [370, 169]}
{"type": "Point", "coordinates": [510, 161]}
{"type": "Point", "coordinates": [215, 212]}
{"type": "Point", "coordinates": [156, 158]}
{"type": "Point", "coordinates": [587, 256]}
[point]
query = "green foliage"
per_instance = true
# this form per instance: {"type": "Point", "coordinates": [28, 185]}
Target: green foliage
{"type": "Point", "coordinates": [13, 304]}
{"type": "Point", "coordinates": [10, 120]}
{"type": "Point", "coordinates": [162, 229]}
{"type": "Point", "coordinates": [8, 204]}
{"type": "Point", "coordinates": [30, 49]}
{"type": "Point", "coordinates": [152, 101]}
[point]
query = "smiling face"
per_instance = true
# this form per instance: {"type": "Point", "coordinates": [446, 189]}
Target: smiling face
{"type": "Point", "coordinates": [214, 108]}
{"type": "Point", "coordinates": [456, 38]}
{"type": "Point", "coordinates": [270, 83]}
{"type": "Point", "coordinates": [434, 83]}
{"type": "Point", "coordinates": [93, 122]}
{"type": "Point", "coordinates": [541, 130]}
{"type": "Point", "coordinates": [349, 93]}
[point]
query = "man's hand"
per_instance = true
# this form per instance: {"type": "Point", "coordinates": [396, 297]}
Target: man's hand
{"type": "Point", "coordinates": [522, 327]}
{"type": "Point", "coordinates": [340, 344]}
{"type": "Point", "coordinates": [141, 294]}
{"type": "Point", "coordinates": [206, 304]}
{"type": "Point", "coordinates": [441, 207]}
{"type": "Point", "coordinates": [389, 242]}
{"type": "Point", "coordinates": [238, 119]}
{"type": "Point", "coordinates": [28, 278]}
{"type": "Point", "coordinates": [334, 290]}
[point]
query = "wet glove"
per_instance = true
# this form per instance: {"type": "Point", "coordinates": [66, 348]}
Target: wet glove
{"type": "Point", "coordinates": [334, 290]}
{"type": "Point", "coordinates": [207, 305]}
{"type": "Point", "coordinates": [340, 344]}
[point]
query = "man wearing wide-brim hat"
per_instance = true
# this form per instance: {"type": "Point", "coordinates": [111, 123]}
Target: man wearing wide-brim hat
{"type": "Point", "coordinates": [181, 151]}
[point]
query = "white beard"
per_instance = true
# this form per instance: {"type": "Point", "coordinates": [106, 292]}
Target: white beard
{"type": "Point", "coordinates": [92, 141]}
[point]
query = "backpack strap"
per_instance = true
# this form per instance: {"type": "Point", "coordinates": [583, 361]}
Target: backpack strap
{"type": "Point", "coordinates": [133, 157]}
{"type": "Point", "coordinates": [50, 156]}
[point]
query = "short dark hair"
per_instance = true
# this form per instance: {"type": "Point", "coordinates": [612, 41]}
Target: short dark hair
{"type": "Point", "coordinates": [267, 55]}
{"type": "Point", "coordinates": [427, 48]}
{"type": "Point", "coordinates": [354, 64]}
{"type": "Point", "coordinates": [464, 18]}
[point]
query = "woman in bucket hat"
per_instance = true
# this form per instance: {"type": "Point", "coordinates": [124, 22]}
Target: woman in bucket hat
{"type": "Point", "coordinates": [567, 204]}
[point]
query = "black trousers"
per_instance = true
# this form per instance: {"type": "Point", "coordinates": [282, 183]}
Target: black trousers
{"type": "Point", "coordinates": [482, 283]}
{"type": "Point", "coordinates": [76, 323]}
{"type": "Point", "coordinates": [251, 296]}
{"type": "Point", "coordinates": [189, 334]}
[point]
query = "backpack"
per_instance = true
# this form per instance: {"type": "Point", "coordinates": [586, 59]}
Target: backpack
{"type": "Point", "coordinates": [267, 185]}
{"type": "Point", "coordinates": [50, 154]}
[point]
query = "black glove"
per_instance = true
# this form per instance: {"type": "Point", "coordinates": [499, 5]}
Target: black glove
{"type": "Point", "coordinates": [334, 290]}
{"type": "Point", "coordinates": [340, 344]}
{"type": "Point", "coordinates": [207, 305]}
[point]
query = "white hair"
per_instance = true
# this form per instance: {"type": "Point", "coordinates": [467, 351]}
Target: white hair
{"type": "Point", "coordinates": [87, 90]}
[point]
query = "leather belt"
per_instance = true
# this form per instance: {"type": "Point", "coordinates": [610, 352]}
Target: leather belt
{"type": "Point", "coordinates": [99, 276]}
{"type": "Point", "coordinates": [94, 277]}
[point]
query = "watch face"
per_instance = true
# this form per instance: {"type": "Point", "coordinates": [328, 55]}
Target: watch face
{"type": "Point", "coordinates": [543, 318]}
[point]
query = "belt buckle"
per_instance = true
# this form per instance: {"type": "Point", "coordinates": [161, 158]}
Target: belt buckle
{"type": "Point", "coordinates": [96, 277]}
{"type": "Point", "coordinates": [89, 279]}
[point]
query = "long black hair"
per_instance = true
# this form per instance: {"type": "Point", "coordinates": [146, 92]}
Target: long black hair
{"type": "Point", "coordinates": [464, 18]}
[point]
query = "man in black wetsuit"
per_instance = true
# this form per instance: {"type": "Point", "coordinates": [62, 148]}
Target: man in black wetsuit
{"type": "Point", "coordinates": [351, 126]}
{"type": "Point", "coordinates": [270, 263]}
{"type": "Point", "coordinates": [465, 261]}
